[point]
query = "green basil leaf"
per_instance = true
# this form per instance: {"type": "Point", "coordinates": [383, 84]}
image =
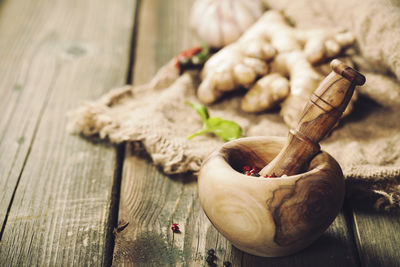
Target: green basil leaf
{"type": "Point", "coordinates": [199, 132]}
{"type": "Point", "coordinates": [226, 129]}
{"type": "Point", "coordinates": [200, 109]}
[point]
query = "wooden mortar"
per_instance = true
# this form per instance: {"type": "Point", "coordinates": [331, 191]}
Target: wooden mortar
{"type": "Point", "coordinates": [274, 217]}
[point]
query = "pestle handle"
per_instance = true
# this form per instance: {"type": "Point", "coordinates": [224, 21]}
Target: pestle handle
{"type": "Point", "coordinates": [319, 116]}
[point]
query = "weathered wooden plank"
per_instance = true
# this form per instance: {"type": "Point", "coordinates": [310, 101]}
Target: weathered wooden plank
{"type": "Point", "coordinates": [18, 54]}
{"type": "Point", "coordinates": [378, 237]}
{"type": "Point", "coordinates": [163, 31]}
{"type": "Point", "coordinates": [54, 55]}
{"type": "Point", "coordinates": [151, 201]}
{"type": "Point", "coordinates": [334, 248]}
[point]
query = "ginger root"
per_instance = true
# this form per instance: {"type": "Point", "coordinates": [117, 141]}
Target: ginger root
{"type": "Point", "coordinates": [236, 65]}
{"type": "Point", "coordinates": [266, 93]}
{"type": "Point", "coordinates": [283, 57]}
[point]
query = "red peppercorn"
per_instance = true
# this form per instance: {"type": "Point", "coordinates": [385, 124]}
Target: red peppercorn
{"type": "Point", "coordinates": [189, 53]}
{"type": "Point", "coordinates": [192, 51]}
{"type": "Point", "coordinates": [270, 176]}
{"type": "Point", "coordinates": [246, 168]}
{"type": "Point", "coordinates": [175, 228]}
{"type": "Point", "coordinates": [251, 171]}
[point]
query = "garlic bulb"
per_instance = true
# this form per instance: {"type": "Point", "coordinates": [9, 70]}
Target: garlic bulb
{"type": "Point", "coordinates": [221, 22]}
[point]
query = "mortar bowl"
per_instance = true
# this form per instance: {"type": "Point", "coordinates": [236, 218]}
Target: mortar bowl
{"type": "Point", "coordinates": [269, 217]}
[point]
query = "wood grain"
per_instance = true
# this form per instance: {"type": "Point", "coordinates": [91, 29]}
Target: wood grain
{"type": "Point", "coordinates": [58, 186]}
{"type": "Point", "coordinates": [320, 115]}
{"type": "Point", "coordinates": [269, 216]}
{"type": "Point", "coordinates": [150, 201]}
{"type": "Point", "coordinates": [377, 236]}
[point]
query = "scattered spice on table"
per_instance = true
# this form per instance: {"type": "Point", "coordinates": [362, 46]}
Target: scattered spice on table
{"type": "Point", "coordinates": [211, 251]}
{"type": "Point", "coordinates": [175, 228]}
{"type": "Point", "coordinates": [211, 257]}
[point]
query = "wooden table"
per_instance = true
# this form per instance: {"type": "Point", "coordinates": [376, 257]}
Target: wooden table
{"type": "Point", "coordinates": [66, 200]}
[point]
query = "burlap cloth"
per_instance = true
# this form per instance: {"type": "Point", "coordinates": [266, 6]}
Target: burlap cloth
{"type": "Point", "coordinates": [366, 144]}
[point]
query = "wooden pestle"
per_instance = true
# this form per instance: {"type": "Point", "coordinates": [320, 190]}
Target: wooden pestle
{"type": "Point", "coordinates": [319, 116]}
